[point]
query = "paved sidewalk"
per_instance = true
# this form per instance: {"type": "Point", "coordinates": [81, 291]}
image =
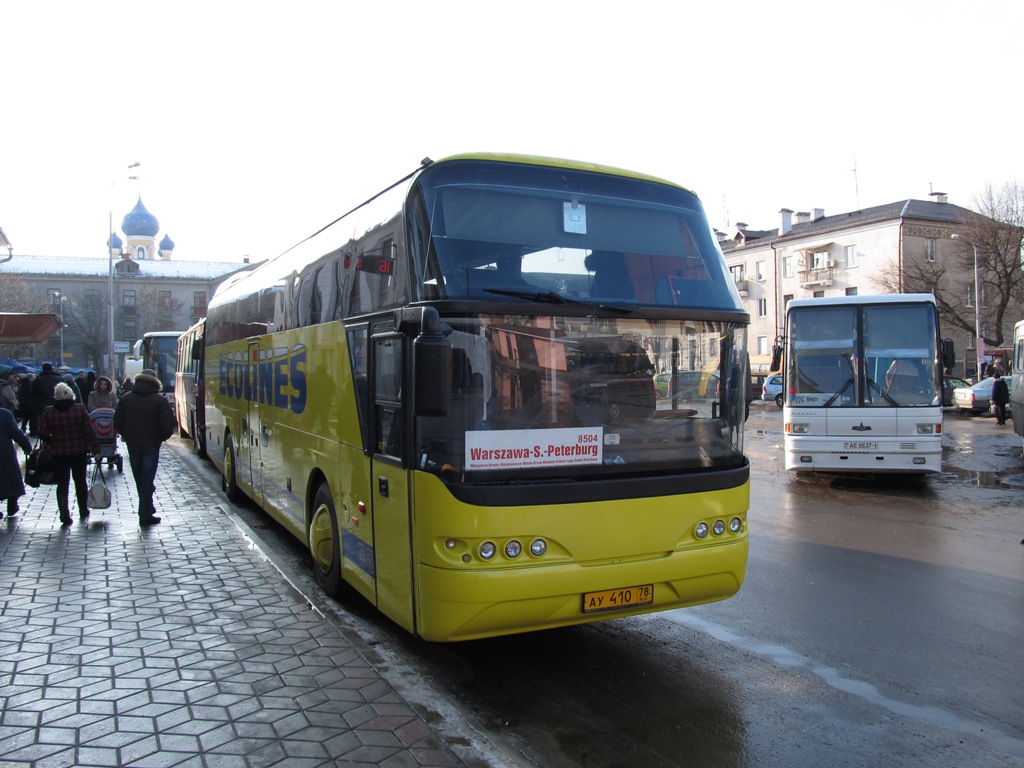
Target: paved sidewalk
{"type": "Point", "coordinates": [178, 645]}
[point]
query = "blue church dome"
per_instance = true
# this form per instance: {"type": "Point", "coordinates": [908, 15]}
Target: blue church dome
{"type": "Point", "coordinates": [115, 243]}
{"type": "Point", "coordinates": [167, 244]}
{"type": "Point", "coordinates": [139, 222]}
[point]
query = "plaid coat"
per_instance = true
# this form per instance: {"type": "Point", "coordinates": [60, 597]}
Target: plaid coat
{"type": "Point", "coordinates": [67, 429]}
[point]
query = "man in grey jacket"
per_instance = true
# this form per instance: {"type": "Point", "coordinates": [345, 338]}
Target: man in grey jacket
{"type": "Point", "coordinates": [144, 419]}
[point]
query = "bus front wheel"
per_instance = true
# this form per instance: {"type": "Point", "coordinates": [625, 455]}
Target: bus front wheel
{"type": "Point", "coordinates": [325, 542]}
{"type": "Point", "coordinates": [228, 482]}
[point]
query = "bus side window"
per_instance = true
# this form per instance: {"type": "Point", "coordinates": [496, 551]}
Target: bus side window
{"type": "Point", "coordinates": [387, 398]}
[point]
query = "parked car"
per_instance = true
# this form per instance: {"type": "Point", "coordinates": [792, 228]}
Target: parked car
{"type": "Point", "coordinates": [662, 381]}
{"type": "Point", "coordinates": [949, 383]}
{"type": "Point", "coordinates": [757, 383]}
{"type": "Point", "coordinates": [976, 398]}
{"type": "Point", "coordinates": [773, 389]}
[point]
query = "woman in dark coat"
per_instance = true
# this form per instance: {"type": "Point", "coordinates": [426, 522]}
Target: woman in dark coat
{"type": "Point", "coordinates": [12, 486]}
{"type": "Point", "coordinates": [67, 429]}
{"type": "Point", "coordinates": [26, 401]}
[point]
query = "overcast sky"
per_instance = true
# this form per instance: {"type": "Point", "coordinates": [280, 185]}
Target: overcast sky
{"type": "Point", "coordinates": [255, 123]}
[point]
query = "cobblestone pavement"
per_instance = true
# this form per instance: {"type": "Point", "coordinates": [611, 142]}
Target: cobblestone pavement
{"type": "Point", "coordinates": [178, 645]}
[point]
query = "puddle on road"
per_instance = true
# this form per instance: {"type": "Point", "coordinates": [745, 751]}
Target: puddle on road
{"type": "Point", "coordinates": [787, 657]}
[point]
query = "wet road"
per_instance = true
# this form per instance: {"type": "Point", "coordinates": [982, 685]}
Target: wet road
{"type": "Point", "coordinates": [881, 623]}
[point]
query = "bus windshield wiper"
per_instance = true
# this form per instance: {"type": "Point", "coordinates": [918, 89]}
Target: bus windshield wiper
{"type": "Point", "coordinates": [838, 393]}
{"type": "Point", "coordinates": [550, 297]}
{"type": "Point", "coordinates": [883, 393]}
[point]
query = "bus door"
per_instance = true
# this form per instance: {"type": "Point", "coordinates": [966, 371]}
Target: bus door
{"type": "Point", "coordinates": [389, 479]}
{"type": "Point", "coordinates": [249, 458]}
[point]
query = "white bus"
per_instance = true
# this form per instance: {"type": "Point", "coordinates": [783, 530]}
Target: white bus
{"type": "Point", "coordinates": [1017, 385]}
{"type": "Point", "coordinates": [863, 384]}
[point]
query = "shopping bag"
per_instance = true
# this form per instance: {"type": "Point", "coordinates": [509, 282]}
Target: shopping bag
{"type": "Point", "coordinates": [99, 495]}
{"type": "Point", "coordinates": [39, 467]}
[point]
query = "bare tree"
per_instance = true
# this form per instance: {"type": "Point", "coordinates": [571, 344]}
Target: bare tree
{"type": "Point", "coordinates": [16, 296]}
{"type": "Point", "coordinates": [996, 227]}
{"type": "Point", "coordinates": [158, 310]}
{"type": "Point", "coordinates": [85, 324]}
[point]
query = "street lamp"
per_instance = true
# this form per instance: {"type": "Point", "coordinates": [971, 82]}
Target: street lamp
{"type": "Point", "coordinates": [57, 297]}
{"type": "Point", "coordinates": [110, 254]}
{"type": "Point", "coordinates": [977, 302]}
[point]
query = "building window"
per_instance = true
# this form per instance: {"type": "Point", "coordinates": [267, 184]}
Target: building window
{"type": "Point", "coordinates": [930, 249]}
{"type": "Point", "coordinates": [762, 345]}
{"type": "Point", "coordinates": [785, 301]}
{"type": "Point", "coordinates": [131, 331]}
{"type": "Point", "coordinates": [819, 294]}
{"type": "Point", "coordinates": [199, 302]}
{"type": "Point", "coordinates": [759, 270]}
{"type": "Point", "coordinates": [128, 298]}
{"type": "Point", "coordinates": [737, 272]}
{"type": "Point", "coordinates": [163, 299]}
{"type": "Point", "coordinates": [819, 260]}
{"type": "Point", "coordinates": [851, 291]}
{"type": "Point", "coordinates": [762, 307]}
{"type": "Point", "coordinates": [970, 295]}
{"type": "Point", "coordinates": [787, 266]}
{"type": "Point", "coordinates": [140, 252]}
{"type": "Point", "coordinates": [851, 256]}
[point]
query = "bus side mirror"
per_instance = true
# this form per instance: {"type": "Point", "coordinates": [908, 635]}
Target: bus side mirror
{"type": "Point", "coordinates": [432, 367]}
{"type": "Point", "coordinates": [948, 355]}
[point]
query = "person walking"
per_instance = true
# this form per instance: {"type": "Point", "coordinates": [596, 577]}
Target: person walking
{"type": "Point", "coordinates": [12, 486]}
{"type": "Point", "coordinates": [144, 419]}
{"type": "Point", "coordinates": [67, 430]}
{"type": "Point", "coordinates": [1000, 399]}
{"type": "Point", "coordinates": [103, 395]}
{"type": "Point", "coordinates": [26, 402]}
{"type": "Point", "coordinates": [42, 392]}
{"type": "Point", "coordinates": [86, 384]}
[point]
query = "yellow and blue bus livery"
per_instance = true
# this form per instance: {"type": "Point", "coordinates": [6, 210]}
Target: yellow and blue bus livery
{"type": "Point", "coordinates": [452, 403]}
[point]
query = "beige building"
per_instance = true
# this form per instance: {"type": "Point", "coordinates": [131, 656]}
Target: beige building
{"type": "Point", "coordinates": [151, 291]}
{"type": "Point", "coordinates": [811, 254]}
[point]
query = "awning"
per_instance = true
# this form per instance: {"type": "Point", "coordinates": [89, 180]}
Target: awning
{"type": "Point", "coordinates": [22, 328]}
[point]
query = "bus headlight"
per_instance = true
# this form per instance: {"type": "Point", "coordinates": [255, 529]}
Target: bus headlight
{"type": "Point", "coordinates": [538, 547]}
{"type": "Point", "coordinates": [513, 549]}
{"type": "Point", "coordinates": [488, 550]}
{"type": "Point", "coordinates": [797, 428]}
{"type": "Point", "coordinates": [926, 429]}
{"type": "Point", "coordinates": [701, 530]}
{"type": "Point", "coordinates": [718, 528]}
{"type": "Point", "coordinates": [735, 525]}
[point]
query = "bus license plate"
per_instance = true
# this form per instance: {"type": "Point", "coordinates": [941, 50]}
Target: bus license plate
{"type": "Point", "coordinates": [858, 445]}
{"type": "Point", "coordinates": [617, 599]}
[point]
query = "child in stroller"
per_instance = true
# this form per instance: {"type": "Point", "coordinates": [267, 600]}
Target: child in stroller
{"type": "Point", "coordinates": [103, 423]}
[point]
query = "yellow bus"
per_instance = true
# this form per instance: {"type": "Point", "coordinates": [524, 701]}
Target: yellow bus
{"type": "Point", "coordinates": [448, 395]}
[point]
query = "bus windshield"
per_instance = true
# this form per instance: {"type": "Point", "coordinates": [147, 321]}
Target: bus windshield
{"type": "Point", "coordinates": [551, 396]}
{"type": "Point", "coordinates": [880, 355]}
{"type": "Point", "coordinates": [564, 236]}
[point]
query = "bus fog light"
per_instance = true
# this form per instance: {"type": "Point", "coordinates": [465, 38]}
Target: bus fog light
{"type": "Point", "coordinates": [919, 459]}
{"type": "Point", "coordinates": [450, 544]}
{"type": "Point", "coordinates": [926, 429]}
{"type": "Point", "coordinates": [735, 525]}
{"type": "Point", "coordinates": [806, 459]}
{"type": "Point", "coordinates": [538, 547]}
{"type": "Point", "coordinates": [513, 549]}
{"type": "Point", "coordinates": [718, 528]}
{"type": "Point", "coordinates": [488, 550]}
{"type": "Point", "coordinates": [701, 530]}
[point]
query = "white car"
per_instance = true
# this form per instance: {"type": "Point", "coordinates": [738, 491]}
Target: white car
{"type": "Point", "coordinates": [772, 390]}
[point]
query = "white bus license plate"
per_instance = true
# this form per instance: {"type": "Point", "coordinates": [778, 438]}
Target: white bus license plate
{"type": "Point", "coordinates": [617, 599]}
{"type": "Point", "coordinates": [859, 445]}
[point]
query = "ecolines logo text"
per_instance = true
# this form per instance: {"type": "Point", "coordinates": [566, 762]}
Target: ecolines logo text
{"type": "Point", "coordinates": [278, 379]}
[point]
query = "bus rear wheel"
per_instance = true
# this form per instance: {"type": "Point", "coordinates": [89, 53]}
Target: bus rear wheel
{"type": "Point", "coordinates": [325, 542]}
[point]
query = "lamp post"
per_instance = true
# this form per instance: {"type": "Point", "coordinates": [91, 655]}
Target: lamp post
{"type": "Point", "coordinates": [977, 303]}
{"type": "Point", "coordinates": [56, 297]}
{"type": "Point", "coordinates": [110, 298]}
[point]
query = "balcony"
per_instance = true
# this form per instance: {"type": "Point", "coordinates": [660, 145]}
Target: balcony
{"type": "Point", "coordinates": [822, 276]}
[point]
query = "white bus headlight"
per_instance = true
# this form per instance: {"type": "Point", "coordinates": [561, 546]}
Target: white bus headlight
{"type": "Point", "coordinates": [488, 550]}
{"type": "Point", "coordinates": [513, 549]}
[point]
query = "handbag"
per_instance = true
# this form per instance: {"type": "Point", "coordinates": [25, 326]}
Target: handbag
{"type": "Point", "coordinates": [39, 468]}
{"type": "Point", "coordinates": [99, 495]}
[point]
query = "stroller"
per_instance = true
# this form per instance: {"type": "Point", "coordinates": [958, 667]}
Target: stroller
{"type": "Point", "coordinates": [103, 423]}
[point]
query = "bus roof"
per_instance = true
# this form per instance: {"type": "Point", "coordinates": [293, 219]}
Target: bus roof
{"type": "Point", "coordinates": [884, 298]}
